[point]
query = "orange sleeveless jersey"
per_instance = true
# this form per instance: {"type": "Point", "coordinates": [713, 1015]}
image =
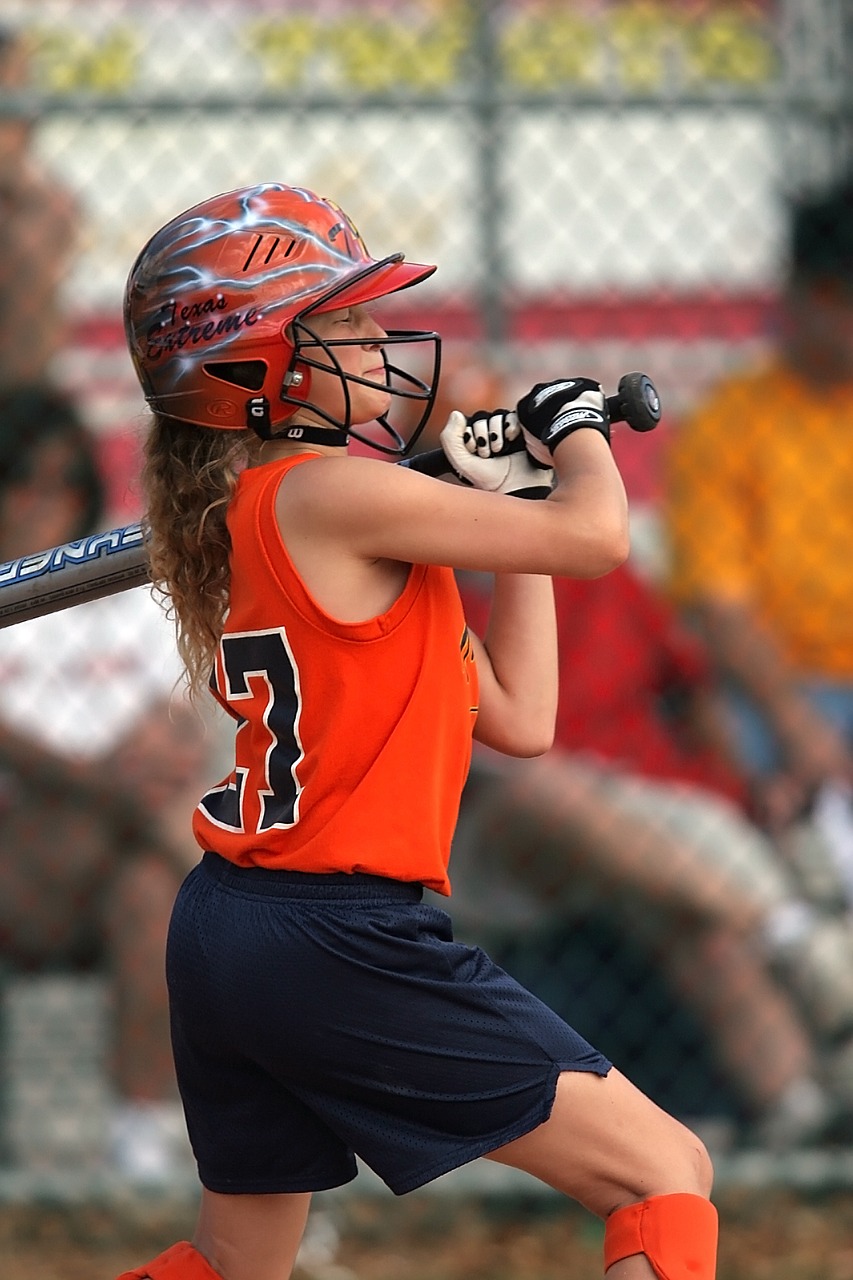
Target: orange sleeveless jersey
{"type": "Point", "coordinates": [353, 739]}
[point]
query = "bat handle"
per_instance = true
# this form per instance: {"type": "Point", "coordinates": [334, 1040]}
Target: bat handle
{"type": "Point", "coordinates": [432, 462]}
{"type": "Point", "coordinates": [636, 402]}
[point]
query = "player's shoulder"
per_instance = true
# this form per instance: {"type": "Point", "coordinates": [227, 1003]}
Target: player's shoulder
{"type": "Point", "coordinates": [335, 493]}
{"type": "Point", "coordinates": [334, 475]}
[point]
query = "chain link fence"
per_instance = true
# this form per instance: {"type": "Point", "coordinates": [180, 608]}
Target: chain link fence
{"type": "Point", "coordinates": [606, 186]}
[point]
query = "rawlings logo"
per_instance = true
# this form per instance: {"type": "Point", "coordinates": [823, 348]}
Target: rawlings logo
{"type": "Point", "coordinates": [222, 408]}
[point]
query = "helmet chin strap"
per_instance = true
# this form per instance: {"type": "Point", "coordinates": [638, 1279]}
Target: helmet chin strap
{"type": "Point", "coordinates": [258, 420]}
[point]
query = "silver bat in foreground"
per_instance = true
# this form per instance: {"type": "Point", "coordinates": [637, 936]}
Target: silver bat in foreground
{"type": "Point", "coordinates": [85, 569]}
{"type": "Point", "coordinates": [105, 563]}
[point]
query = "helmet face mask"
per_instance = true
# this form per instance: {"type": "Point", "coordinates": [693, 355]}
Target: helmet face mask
{"type": "Point", "coordinates": [218, 315]}
{"type": "Point", "coordinates": [387, 437]}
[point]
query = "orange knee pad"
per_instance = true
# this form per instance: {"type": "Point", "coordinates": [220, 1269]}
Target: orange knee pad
{"type": "Point", "coordinates": [181, 1262]}
{"type": "Point", "coordinates": [677, 1233]}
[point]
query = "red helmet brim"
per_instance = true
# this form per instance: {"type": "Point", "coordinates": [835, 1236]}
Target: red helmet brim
{"type": "Point", "coordinates": [390, 275]}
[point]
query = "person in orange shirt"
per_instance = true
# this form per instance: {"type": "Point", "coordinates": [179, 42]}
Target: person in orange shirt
{"type": "Point", "coordinates": [320, 1008]}
{"type": "Point", "coordinates": [760, 524]}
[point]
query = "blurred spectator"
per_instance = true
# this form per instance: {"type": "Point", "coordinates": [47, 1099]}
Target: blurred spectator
{"type": "Point", "coordinates": [99, 763]}
{"type": "Point", "coordinates": [99, 770]}
{"type": "Point", "coordinates": [760, 522]}
{"type": "Point", "coordinates": [38, 229]}
{"type": "Point", "coordinates": [639, 810]}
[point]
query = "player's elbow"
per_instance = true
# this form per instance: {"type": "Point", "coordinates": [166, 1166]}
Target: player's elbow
{"type": "Point", "coordinates": [614, 552]}
{"type": "Point", "coordinates": [533, 744]}
{"type": "Point", "coordinates": [606, 548]}
{"type": "Point", "coordinates": [616, 539]}
{"type": "Point", "coordinates": [525, 737]}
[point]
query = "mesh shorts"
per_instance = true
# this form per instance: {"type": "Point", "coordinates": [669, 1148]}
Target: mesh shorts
{"type": "Point", "coordinates": [316, 1018]}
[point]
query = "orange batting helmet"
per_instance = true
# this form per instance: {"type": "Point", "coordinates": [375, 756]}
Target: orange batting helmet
{"type": "Point", "coordinates": [218, 304]}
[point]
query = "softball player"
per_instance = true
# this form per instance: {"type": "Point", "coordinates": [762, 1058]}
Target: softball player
{"type": "Point", "coordinates": [320, 1008]}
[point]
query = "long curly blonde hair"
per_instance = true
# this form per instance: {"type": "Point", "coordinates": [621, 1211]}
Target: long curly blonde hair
{"type": "Point", "coordinates": [188, 477]}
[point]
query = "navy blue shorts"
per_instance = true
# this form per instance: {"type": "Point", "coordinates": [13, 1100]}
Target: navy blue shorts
{"type": "Point", "coordinates": [320, 1017]}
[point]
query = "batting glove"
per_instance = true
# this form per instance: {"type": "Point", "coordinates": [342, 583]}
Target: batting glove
{"type": "Point", "coordinates": [487, 451]}
{"type": "Point", "coordinates": [553, 410]}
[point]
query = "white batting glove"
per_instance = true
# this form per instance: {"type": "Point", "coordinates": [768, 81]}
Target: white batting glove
{"type": "Point", "coordinates": [487, 451]}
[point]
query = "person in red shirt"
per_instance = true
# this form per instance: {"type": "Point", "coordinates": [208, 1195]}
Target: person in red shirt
{"type": "Point", "coordinates": [320, 1008]}
{"type": "Point", "coordinates": [654, 708]}
{"type": "Point", "coordinates": [641, 808]}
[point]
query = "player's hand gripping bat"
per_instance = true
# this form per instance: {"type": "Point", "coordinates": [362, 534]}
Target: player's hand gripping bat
{"type": "Point", "coordinates": [105, 563]}
{"type": "Point", "coordinates": [636, 402]}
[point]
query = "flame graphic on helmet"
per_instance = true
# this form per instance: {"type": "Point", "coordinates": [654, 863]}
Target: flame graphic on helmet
{"type": "Point", "coordinates": [219, 286]}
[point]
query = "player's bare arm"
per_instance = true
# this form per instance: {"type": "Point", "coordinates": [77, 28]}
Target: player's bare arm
{"type": "Point", "coordinates": [517, 666]}
{"type": "Point", "coordinates": [363, 509]}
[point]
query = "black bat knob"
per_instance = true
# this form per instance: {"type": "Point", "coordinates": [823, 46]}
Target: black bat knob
{"type": "Point", "coordinates": [636, 402]}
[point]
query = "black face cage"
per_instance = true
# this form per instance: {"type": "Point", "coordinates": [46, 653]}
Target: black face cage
{"type": "Point", "coordinates": [399, 383]}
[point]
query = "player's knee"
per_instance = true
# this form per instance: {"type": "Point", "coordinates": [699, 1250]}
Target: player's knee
{"type": "Point", "coordinates": [689, 1168]}
{"type": "Point", "coordinates": [704, 1168]}
{"type": "Point", "coordinates": [680, 1165]}
{"type": "Point", "coordinates": [696, 1166]}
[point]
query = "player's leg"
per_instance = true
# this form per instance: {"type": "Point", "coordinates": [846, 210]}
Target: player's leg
{"type": "Point", "coordinates": [236, 1238]}
{"type": "Point", "coordinates": [607, 1146]}
{"type": "Point", "coordinates": [251, 1237]}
